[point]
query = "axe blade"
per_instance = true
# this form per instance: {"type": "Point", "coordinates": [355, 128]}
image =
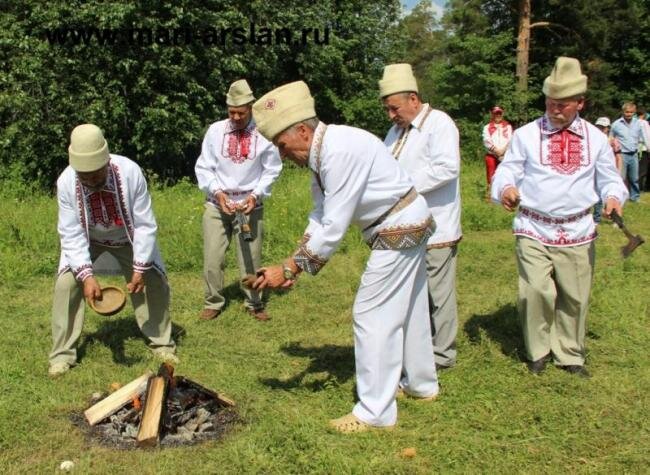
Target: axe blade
{"type": "Point", "coordinates": [632, 244]}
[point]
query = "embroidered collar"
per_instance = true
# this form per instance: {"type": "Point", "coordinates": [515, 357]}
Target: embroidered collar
{"type": "Point", "coordinates": [576, 127]}
{"type": "Point", "coordinates": [314, 150]}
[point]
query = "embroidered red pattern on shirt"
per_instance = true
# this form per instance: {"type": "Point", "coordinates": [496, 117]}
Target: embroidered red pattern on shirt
{"type": "Point", "coordinates": [239, 145]}
{"type": "Point", "coordinates": [103, 210]}
{"type": "Point", "coordinates": [565, 152]}
{"type": "Point", "coordinates": [562, 239]}
{"type": "Point", "coordinates": [542, 218]}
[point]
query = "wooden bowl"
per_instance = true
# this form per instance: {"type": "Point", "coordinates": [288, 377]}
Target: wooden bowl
{"type": "Point", "coordinates": [113, 300]}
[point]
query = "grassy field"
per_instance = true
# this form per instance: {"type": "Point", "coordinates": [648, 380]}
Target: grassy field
{"type": "Point", "coordinates": [292, 374]}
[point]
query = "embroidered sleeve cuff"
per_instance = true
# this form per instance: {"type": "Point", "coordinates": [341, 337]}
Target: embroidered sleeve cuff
{"type": "Point", "coordinates": [142, 267]}
{"type": "Point", "coordinates": [308, 261]}
{"type": "Point", "coordinates": [83, 272]}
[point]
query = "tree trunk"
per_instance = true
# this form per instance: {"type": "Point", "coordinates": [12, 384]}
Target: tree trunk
{"type": "Point", "coordinates": [523, 46]}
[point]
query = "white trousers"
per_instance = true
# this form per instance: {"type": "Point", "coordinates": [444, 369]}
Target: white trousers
{"type": "Point", "coordinates": [392, 334]}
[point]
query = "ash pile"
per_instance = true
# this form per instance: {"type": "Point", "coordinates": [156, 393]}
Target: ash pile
{"type": "Point", "coordinates": [158, 410]}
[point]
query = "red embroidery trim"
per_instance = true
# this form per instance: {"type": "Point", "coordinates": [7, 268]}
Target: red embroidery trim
{"type": "Point", "coordinates": [542, 218]}
{"type": "Point", "coordinates": [565, 148]}
{"type": "Point", "coordinates": [561, 240]}
{"type": "Point", "coordinates": [239, 145]}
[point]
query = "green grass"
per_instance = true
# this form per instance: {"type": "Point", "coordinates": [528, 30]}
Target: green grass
{"type": "Point", "coordinates": [292, 374]}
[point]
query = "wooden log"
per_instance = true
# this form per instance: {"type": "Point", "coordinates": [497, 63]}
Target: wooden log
{"type": "Point", "coordinates": [222, 399]}
{"type": "Point", "coordinates": [152, 412]}
{"type": "Point", "coordinates": [115, 401]}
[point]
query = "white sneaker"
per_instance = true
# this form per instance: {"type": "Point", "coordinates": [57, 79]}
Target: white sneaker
{"type": "Point", "coordinates": [166, 356]}
{"type": "Point", "coordinates": [57, 369]}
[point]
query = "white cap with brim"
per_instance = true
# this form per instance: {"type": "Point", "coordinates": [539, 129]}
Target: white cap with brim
{"type": "Point", "coordinates": [566, 79]}
{"type": "Point", "coordinates": [239, 94]}
{"type": "Point", "coordinates": [283, 107]}
{"type": "Point", "coordinates": [88, 150]}
{"type": "Point", "coordinates": [397, 78]}
{"type": "Point", "coordinates": [603, 121]}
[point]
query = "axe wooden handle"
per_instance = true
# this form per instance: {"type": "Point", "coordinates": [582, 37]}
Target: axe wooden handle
{"type": "Point", "coordinates": [619, 222]}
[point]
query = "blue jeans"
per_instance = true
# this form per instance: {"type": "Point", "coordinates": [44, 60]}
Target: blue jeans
{"type": "Point", "coordinates": [631, 173]}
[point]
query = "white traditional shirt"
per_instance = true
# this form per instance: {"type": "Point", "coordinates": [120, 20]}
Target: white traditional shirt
{"type": "Point", "coordinates": [356, 181]}
{"type": "Point", "coordinates": [429, 152]}
{"type": "Point", "coordinates": [560, 175]}
{"type": "Point", "coordinates": [238, 162]}
{"type": "Point", "coordinates": [497, 136]}
{"type": "Point", "coordinates": [120, 214]}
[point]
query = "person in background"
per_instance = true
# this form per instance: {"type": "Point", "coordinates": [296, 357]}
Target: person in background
{"type": "Point", "coordinates": [627, 130]}
{"type": "Point", "coordinates": [603, 124]}
{"type": "Point", "coordinates": [644, 158]}
{"type": "Point", "coordinates": [496, 137]}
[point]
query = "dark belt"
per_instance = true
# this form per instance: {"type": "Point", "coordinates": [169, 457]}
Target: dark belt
{"type": "Point", "coordinates": [402, 203]}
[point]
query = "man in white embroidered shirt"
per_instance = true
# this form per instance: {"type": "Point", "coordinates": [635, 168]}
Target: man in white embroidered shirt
{"type": "Point", "coordinates": [555, 170]}
{"type": "Point", "coordinates": [425, 143]}
{"type": "Point", "coordinates": [236, 169]}
{"type": "Point", "coordinates": [105, 211]}
{"type": "Point", "coordinates": [356, 180]}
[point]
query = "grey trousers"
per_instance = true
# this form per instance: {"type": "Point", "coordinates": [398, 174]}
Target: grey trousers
{"type": "Point", "coordinates": [218, 230]}
{"type": "Point", "coordinates": [151, 307]}
{"type": "Point", "coordinates": [554, 287]}
{"type": "Point", "coordinates": [441, 276]}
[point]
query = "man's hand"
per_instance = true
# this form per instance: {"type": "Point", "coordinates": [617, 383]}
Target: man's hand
{"type": "Point", "coordinates": [611, 205]}
{"type": "Point", "coordinates": [271, 277]}
{"type": "Point", "coordinates": [137, 283]}
{"type": "Point", "coordinates": [249, 205]}
{"type": "Point", "coordinates": [510, 198]}
{"type": "Point", "coordinates": [92, 290]}
{"type": "Point", "coordinates": [224, 203]}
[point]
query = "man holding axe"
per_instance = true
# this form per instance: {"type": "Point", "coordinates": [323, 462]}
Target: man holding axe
{"type": "Point", "coordinates": [556, 169]}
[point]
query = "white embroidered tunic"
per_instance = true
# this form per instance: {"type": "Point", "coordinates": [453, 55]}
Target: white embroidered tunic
{"type": "Point", "coordinates": [430, 154]}
{"type": "Point", "coordinates": [237, 162]}
{"type": "Point", "coordinates": [497, 136]}
{"type": "Point", "coordinates": [560, 175]}
{"type": "Point", "coordinates": [360, 182]}
{"type": "Point", "coordinates": [120, 214]}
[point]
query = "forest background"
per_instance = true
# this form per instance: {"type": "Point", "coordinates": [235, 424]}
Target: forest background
{"type": "Point", "coordinates": [154, 100]}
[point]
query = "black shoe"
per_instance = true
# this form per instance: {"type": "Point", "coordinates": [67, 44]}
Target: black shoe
{"type": "Point", "coordinates": [578, 370]}
{"type": "Point", "coordinates": [537, 366]}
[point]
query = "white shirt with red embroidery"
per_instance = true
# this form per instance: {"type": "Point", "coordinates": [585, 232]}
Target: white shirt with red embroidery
{"type": "Point", "coordinates": [560, 175]}
{"type": "Point", "coordinates": [431, 157]}
{"type": "Point", "coordinates": [497, 136]}
{"type": "Point", "coordinates": [120, 214]}
{"type": "Point", "coordinates": [236, 161]}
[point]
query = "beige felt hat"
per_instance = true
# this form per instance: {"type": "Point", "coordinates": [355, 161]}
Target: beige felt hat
{"type": "Point", "coordinates": [113, 300]}
{"type": "Point", "coordinates": [283, 107]}
{"type": "Point", "coordinates": [397, 78]}
{"type": "Point", "coordinates": [566, 79]}
{"type": "Point", "coordinates": [239, 94]}
{"type": "Point", "coordinates": [88, 150]}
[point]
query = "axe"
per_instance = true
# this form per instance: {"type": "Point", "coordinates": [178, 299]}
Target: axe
{"type": "Point", "coordinates": [633, 241]}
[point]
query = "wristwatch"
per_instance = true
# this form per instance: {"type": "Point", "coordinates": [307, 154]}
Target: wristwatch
{"type": "Point", "coordinates": [287, 273]}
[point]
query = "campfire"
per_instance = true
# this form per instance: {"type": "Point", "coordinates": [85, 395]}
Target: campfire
{"type": "Point", "coordinates": [160, 409]}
